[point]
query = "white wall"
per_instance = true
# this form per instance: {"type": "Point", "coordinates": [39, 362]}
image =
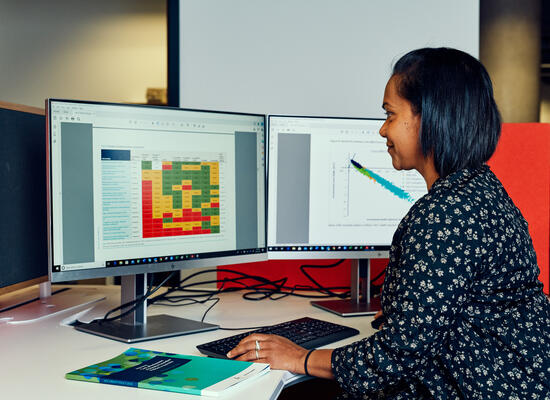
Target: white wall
{"type": "Point", "coordinates": [309, 57]}
{"type": "Point", "coordinates": [108, 50]}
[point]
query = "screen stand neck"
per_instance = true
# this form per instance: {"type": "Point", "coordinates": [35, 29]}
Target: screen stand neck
{"type": "Point", "coordinates": [137, 326]}
{"type": "Point", "coordinates": [360, 302]}
{"type": "Point", "coordinates": [132, 288]}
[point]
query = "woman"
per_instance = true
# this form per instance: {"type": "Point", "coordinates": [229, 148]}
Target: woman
{"type": "Point", "coordinates": [465, 315]}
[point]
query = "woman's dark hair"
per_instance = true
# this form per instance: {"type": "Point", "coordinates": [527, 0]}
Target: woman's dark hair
{"type": "Point", "coordinates": [453, 94]}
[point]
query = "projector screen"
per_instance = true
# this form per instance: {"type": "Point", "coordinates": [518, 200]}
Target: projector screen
{"type": "Point", "coordinates": [308, 57]}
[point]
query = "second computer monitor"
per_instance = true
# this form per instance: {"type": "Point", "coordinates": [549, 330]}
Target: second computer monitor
{"type": "Point", "coordinates": [333, 192]}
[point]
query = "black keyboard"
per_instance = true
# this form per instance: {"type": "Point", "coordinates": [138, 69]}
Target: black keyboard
{"type": "Point", "coordinates": [306, 332]}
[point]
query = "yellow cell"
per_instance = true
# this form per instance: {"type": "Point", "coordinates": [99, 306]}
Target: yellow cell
{"type": "Point", "coordinates": [187, 204]}
{"type": "Point", "coordinates": [146, 175]}
{"type": "Point", "coordinates": [205, 205]}
{"type": "Point", "coordinates": [197, 224]}
{"type": "Point", "coordinates": [215, 200]}
{"type": "Point", "coordinates": [168, 225]}
{"type": "Point", "coordinates": [215, 220]}
{"type": "Point", "coordinates": [177, 213]}
{"type": "Point", "coordinates": [215, 192]}
{"type": "Point", "coordinates": [166, 163]}
{"type": "Point", "coordinates": [186, 182]}
{"type": "Point", "coordinates": [187, 226]}
{"type": "Point", "coordinates": [196, 209]}
{"type": "Point", "coordinates": [190, 167]}
{"type": "Point", "coordinates": [196, 192]}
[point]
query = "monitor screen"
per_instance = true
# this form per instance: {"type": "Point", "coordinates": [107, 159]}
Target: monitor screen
{"type": "Point", "coordinates": [333, 192]}
{"type": "Point", "coordinates": [136, 189]}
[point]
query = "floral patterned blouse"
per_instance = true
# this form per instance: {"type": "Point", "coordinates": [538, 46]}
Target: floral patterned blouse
{"type": "Point", "coordinates": [466, 317]}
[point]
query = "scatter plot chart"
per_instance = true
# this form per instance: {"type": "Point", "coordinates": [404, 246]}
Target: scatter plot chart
{"type": "Point", "coordinates": [397, 191]}
{"type": "Point", "coordinates": [366, 189]}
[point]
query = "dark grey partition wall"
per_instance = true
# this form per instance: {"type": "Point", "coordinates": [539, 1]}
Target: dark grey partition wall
{"type": "Point", "coordinates": [23, 250]}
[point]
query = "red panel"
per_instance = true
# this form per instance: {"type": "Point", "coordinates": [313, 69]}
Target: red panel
{"type": "Point", "coordinates": [522, 163]}
{"type": "Point", "coordinates": [278, 269]}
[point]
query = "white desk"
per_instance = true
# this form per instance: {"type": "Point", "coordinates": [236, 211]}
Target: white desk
{"type": "Point", "coordinates": [35, 357]}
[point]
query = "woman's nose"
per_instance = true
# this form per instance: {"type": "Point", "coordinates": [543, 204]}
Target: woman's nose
{"type": "Point", "coordinates": [382, 130]}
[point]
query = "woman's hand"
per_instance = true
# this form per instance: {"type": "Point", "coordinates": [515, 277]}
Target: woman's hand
{"type": "Point", "coordinates": [277, 351]}
{"type": "Point", "coordinates": [378, 321]}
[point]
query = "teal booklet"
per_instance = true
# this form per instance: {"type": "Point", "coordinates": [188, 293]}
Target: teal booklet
{"type": "Point", "coordinates": [170, 372]}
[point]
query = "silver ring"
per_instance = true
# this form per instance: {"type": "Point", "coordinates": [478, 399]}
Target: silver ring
{"type": "Point", "coordinates": [257, 346]}
{"type": "Point", "coordinates": [257, 355]}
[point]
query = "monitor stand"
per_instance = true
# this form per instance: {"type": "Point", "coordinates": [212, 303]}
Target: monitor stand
{"type": "Point", "coordinates": [360, 302]}
{"type": "Point", "coordinates": [136, 326]}
{"type": "Point", "coordinates": [26, 308]}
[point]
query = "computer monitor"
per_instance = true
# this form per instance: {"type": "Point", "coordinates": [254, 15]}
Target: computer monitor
{"type": "Point", "coordinates": [23, 247]}
{"type": "Point", "coordinates": [333, 193]}
{"type": "Point", "coordinates": [136, 189]}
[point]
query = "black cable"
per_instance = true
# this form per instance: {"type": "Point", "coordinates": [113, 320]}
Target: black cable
{"type": "Point", "coordinates": [262, 289]}
{"type": "Point", "coordinates": [134, 303]}
{"type": "Point", "coordinates": [321, 288]}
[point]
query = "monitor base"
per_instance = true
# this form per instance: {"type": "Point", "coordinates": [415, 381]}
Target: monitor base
{"type": "Point", "coordinates": [157, 327]}
{"type": "Point", "coordinates": [51, 304]}
{"type": "Point", "coordinates": [349, 308]}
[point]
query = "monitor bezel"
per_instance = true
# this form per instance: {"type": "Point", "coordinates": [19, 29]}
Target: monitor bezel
{"type": "Point", "coordinates": [368, 252]}
{"type": "Point", "coordinates": [211, 259]}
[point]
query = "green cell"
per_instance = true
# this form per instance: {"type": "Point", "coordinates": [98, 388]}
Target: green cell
{"type": "Point", "coordinates": [214, 187]}
{"type": "Point", "coordinates": [146, 165]}
{"type": "Point", "coordinates": [215, 229]}
{"type": "Point", "coordinates": [167, 220]}
{"type": "Point", "coordinates": [205, 225]}
{"type": "Point", "coordinates": [177, 202]}
{"type": "Point", "coordinates": [215, 211]}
